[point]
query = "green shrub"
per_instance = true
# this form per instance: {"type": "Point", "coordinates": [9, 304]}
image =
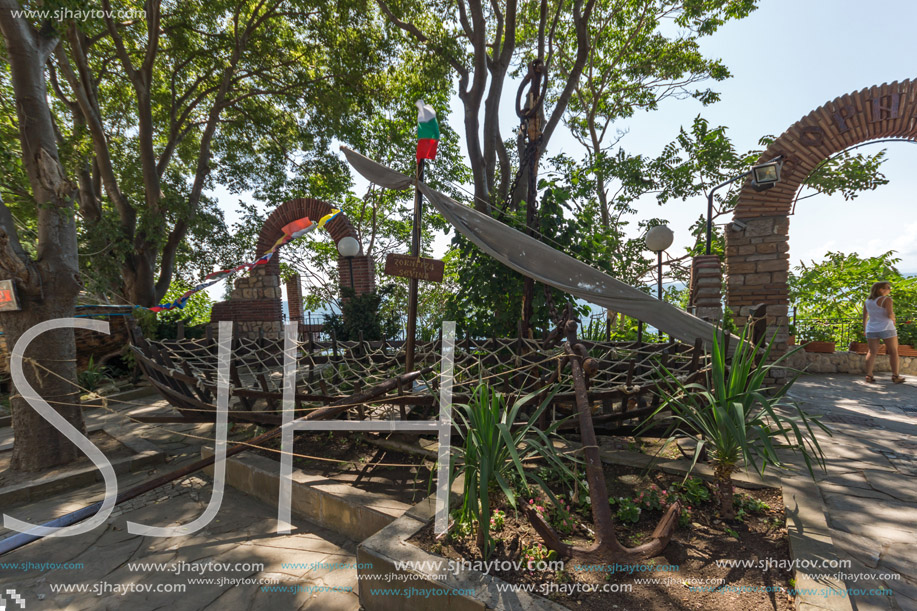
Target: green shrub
{"type": "Point", "coordinates": [693, 490]}
{"type": "Point", "coordinates": [628, 511]}
{"type": "Point", "coordinates": [738, 418]}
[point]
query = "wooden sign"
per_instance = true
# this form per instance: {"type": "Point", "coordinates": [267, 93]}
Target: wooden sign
{"type": "Point", "coordinates": [9, 302]}
{"type": "Point", "coordinates": [419, 268]}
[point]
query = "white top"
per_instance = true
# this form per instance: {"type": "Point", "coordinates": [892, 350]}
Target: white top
{"type": "Point", "coordinates": [878, 316]}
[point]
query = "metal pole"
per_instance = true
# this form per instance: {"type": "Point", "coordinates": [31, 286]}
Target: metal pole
{"type": "Point", "coordinates": [709, 217]}
{"type": "Point", "coordinates": [352, 287]}
{"type": "Point", "coordinates": [659, 284]}
{"type": "Point", "coordinates": [710, 205]}
{"type": "Point", "coordinates": [412, 292]}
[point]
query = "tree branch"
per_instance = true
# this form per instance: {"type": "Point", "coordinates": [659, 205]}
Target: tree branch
{"type": "Point", "coordinates": [414, 31]}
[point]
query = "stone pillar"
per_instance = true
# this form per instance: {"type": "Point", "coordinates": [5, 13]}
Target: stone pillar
{"type": "Point", "coordinates": [757, 267]}
{"type": "Point", "coordinates": [706, 285]}
{"type": "Point", "coordinates": [254, 305]}
{"type": "Point", "coordinates": [756, 273]}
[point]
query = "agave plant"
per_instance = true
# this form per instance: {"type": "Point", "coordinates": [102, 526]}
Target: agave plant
{"type": "Point", "coordinates": [494, 453]}
{"type": "Point", "coordinates": [738, 419]}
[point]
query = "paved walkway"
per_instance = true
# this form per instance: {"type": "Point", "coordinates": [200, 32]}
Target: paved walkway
{"type": "Point", "coordinates": [870, 489]}
{"type": "Point", "coordinates": [241, 535]}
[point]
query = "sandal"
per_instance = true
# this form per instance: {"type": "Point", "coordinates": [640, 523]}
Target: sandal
{"type": "Point", "coordinates": [898, 379]}
{"type": "Point", "coordinates": [870, 380]}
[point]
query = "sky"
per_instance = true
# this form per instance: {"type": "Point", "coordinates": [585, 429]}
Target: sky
{"type": "Point", "coordinates": [787, 58]}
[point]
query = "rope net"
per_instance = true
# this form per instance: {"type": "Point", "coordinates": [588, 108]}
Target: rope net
{"type": "Point", "coordinates": [624, 372]}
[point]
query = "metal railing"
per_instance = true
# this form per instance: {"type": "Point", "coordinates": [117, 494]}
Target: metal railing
{"type": "Point", "coordinates": [843, 331]}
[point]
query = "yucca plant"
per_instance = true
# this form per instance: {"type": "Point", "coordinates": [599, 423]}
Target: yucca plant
{"type": "Point", "coordinates": [93, 376]}
{"type": "Point", "coordinates": [493, 454]}
{"type": "Point", "coordinates": [738, 419]}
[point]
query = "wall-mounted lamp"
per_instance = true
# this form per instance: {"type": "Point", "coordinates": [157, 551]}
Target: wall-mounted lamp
{"type": "Point", "coordinates": [764, 176]}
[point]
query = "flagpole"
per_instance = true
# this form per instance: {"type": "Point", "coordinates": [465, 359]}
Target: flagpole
{"type": "Point", "coordinates": [412, 292]}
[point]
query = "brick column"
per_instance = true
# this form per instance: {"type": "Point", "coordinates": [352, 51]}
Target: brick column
{"type": "Point", "coordinates": [706, 285]}
{"type": "Point", "coordinates": [294, 297]}
{"type": "Point", "coordinates": [364, 276]}
{"type": "Point", "coordinates": [757, 268]}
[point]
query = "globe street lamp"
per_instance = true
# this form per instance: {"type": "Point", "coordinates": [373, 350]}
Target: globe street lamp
{"type": "Point", "coordinates": [348, 247]}
{"type": "Point", "coordinates": [764, 176]}
{"type": "Point", "coordinates": [659, 238]}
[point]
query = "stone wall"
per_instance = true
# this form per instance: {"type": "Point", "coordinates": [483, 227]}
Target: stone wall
{"type": "Point", "coordinates": [254, 305]}
{"type": "Point", "coordinates": [847, 362]}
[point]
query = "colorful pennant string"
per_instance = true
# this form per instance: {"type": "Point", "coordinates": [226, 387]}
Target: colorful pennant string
{"type": "Point", "coordinates": [291, 231]}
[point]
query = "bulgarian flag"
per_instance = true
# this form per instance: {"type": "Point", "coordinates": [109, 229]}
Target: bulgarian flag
{"type": "Point", "coordinates": [427, 131]}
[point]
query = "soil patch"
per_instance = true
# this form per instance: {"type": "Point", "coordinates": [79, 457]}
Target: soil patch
{"type": "Point", "coordinates": [110, 446]}
{"type": "Point", "coordinates": [685, 576]}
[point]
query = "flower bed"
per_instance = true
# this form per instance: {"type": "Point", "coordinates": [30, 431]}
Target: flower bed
{"type": "Point", "coordinates": [638, 503]}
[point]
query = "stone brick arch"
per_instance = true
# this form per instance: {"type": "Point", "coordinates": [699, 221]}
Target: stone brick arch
{"type": "Point", "coordinates": [757, 248]}
{"type": "Point", "coordinates": [255, 304]}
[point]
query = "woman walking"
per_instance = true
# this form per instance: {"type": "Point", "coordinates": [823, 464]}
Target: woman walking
{"type": "Point", "coordinates": [879, 323]}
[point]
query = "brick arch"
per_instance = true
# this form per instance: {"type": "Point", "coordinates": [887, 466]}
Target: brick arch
{"type": "Point", "coordinates": [757, 255]}
{"type": "Point", "coordinates": [293, 210]}
{"type": "Point", "coordinates": [255, 301]}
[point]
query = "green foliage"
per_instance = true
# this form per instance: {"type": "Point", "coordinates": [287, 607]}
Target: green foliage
{"type": "Point", "coordinates": [736, 417]}
{"type": "Point", "coordinates": [848, 174]}
{"type": "Point", "coordinates": [93, 376]}
{"type": "Point", "coordinates": [838, 286]}
{"type": "Point", "coordinates": [196, 310]}
{"type": "Point", "coordinates": [489, 302]}
{"type": "Point", "coordinates": [816, 331]}
{"type": "Point", "coordinates": [693, 490]}
{"type": "Point", "coordinates": [685, 517]}
{"type": "Point", "coordinates": [497, 520]}
{"type": "Point", "coordinates": [556, 514]}
{"type": "Point", "coordinates": [628, 511]}
{"type": "Point", "coordinates": [749, 504]}
{"type": "Point", "coordinates": [492, 457]}
{"type": "Point", "coordinates": [361, 313]}
{"type": "Point", "coordinates": [652, 498]}
{"type": "Point", "coordinates": [536, 552]}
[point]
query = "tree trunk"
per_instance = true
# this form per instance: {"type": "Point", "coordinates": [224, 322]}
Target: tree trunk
{"type": "Point", "coordinates": [38, 445]}
{"type": "Point", "coordinates": [47, 286]}
{"type": "Point", "coordinates": [724, 491]}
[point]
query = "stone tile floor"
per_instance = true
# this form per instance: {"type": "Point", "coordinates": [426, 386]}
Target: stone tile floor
{"type": "Point", "coordinates": [240, 535]}
{"type": "Point", "coordinates": [870, 488]}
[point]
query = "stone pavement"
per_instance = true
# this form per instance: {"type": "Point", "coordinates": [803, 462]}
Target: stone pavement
{"type": "Point", "coordinates": [870, 488]}
{"type": "Point", "coordinates": [241, 536]}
